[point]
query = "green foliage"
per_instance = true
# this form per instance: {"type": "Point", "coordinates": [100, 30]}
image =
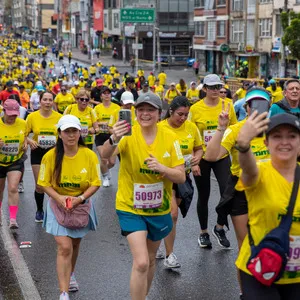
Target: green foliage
{"type": "Point", "coordinates": [291, 37]}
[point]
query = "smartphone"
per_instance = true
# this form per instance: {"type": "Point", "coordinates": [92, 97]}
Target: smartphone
{"type": "Point", "coordinates": [125, 114]}
{"type": "Point", "coordinates": [261, 106]}
{"type": "Point", "coordinates": [69, 203]}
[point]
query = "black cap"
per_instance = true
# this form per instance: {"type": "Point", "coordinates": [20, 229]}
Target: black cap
{"type": "Point", "coordinates": [9, 83]}
{"type": "Point", "coordinates": [104, 89]}
{"type": "Point", "coordinates": [146, 83]}
{"type": "Point", "coordinates": [129, 80]}
{"type": "Point", "coordinates": [283, 119]}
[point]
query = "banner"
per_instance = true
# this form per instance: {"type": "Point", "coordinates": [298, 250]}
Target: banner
{"type": "Point", "coordinates": [98, 14]}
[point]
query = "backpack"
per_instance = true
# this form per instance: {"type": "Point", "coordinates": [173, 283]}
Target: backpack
{"type": "Point", "coordinates": [287, 110]}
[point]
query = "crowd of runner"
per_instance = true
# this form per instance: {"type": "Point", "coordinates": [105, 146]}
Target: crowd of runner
{"type": "Point", "coordinates": [250, 138]}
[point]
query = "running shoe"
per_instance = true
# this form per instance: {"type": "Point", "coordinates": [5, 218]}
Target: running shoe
{"type": "Point", "coordinates": [13, 224]}
{"type": "Point", "coordinates": [204, 241]}
{"type": "Point", "coordinates": [64, 296]}
{"type": "Point", "coordinates": [21, 187]}
{"type": "Point", "coordinates": [109, 174]}
{"type": "Point", "coordinates": [73, 287]}
{"type": "Point", "coordinates": [160, 254]}
{"type": "Point", "coordinates": [106, 182]}
{"type": "Point", "coordinates": [39, 216]}
{"type": "Point", "coordinates": [171, 262]}
{"type": "Point", "coordinates": [220, 235]}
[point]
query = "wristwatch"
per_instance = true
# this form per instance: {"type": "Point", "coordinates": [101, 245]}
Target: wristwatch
{"type": "Point", "coordinates": [82, 199]}
{"type": "Point", "coordinates": [112, 142]}
{"type": "Point", "coordinates": [241, 149]}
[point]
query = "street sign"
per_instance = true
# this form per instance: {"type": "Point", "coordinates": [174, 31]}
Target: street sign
{"type": "Point", "coordinates": [137, 15]}
{"type": "Point", "coordinates": [137, 46]}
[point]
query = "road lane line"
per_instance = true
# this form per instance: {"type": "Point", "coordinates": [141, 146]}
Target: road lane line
{"type": "Point", "coordinates": [23, 275]}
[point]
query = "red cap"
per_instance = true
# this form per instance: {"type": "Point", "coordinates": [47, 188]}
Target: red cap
{"type": "Point", "coordinates": [99, 82]}
{"type": "Point", "coordinates": [11, 107]}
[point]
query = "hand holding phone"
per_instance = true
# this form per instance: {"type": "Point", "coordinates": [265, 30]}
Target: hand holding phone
{"type": "Point", "coordinates": [69, 203]}
{"type": "Point", "coordinates": [125, 115]}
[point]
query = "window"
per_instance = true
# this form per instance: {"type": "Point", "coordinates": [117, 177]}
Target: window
{"type": "Point", "coordinates": [200, 28]}
{"type": "Point", "coordinates": [211, 30]}
{"type": "Point", "coordinates": [221, 2]}
{"type": "Point", "coordinates": [297, 1]}
{"type": "Point", "coordinates": [116, 20]}
{"type": "Point", "coordinates": [265, 1]}
{"type": "Point", "coordinates": [237, 35]}
{"type": "Point", "coordinates": [199, 3]}
{"type": "Point", "coordinates": [265, 28]}
{"type": "Point", "coordinates": [279, 30]}
{"type": "Point", "coordinates": [237, 5]}
{"type": "Point", "coordinates": [221, 28]}
{"type": "Point", "coordinates": [105, 21]}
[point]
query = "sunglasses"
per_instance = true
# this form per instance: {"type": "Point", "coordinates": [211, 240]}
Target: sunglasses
{"type": "Point", "coordinates": [223, 92]}
{"type": "Point", "coordinates": [214, 87]}
{"type": "Point", "coordinates": [84, 99]}
{"type": "Point", "coordinates": [63, 90]}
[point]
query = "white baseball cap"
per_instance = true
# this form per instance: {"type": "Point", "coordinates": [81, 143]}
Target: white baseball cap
{"type": "Point", "coordinates": [68, 121]}
{"type": "Point", "coordinates": [212, 79]}
{"type": "Point", "coordinates": [127, 98]}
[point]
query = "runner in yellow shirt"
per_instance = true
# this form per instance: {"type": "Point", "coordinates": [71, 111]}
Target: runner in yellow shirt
{"type": "Point", "coordinates": [171, 93]}
{"type": "Point", "coordinates": [162, 76]}
{"type": "Point", "coordinates": [42, 123]}
{"type": "Point", "coordinates": [75, 89]}
{"type": "Point", "coordinates": [193, 94]}
{"type": "Point", "coordinates": [151, 79]}
{"type": "Point", "coordinates": [13, 147]}
{"type": "Point", "coordinates": [205, 114]}
{"type": "Point", "coordinates": [191, 148]}
{"type": "Point", "coordinates": [104, 111]}
{"type": "Point", "coordinates": [266, 205]}
{"type": "Point", "coordinates": [86, 115]}
{"type": "Point", "coordinates": [143, 200]}
{"type": "Point", "coordinates": [63, 99]}
{"type": "Point", "coordinates": [159, 89]}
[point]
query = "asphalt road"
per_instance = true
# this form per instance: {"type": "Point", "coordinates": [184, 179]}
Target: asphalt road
{"type": "Point", "coordinates": [104, 263]}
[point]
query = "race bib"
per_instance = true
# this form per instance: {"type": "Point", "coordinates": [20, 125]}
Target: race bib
{"type": "Point", "coordinates": [208, 134]}
{"type": "Point", "coordinates": [46, 141]}
{"type": "Point", "coordinates": [10, 149]}
{"type": "Point", "coordinates": [293, 264]}
{"type": "Point", "coordinates": [84, 130]}
{"type": "Point", "coordinates": [148, 195]}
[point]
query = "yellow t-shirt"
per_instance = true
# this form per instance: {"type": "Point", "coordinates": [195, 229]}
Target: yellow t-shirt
{"type": "Point", "coordinates": [206, 118]}
{"type": "Point", "coordinates": [112, 70]}
{"type": "Point", "coordinates": [258, 147]}
{"type": "Point", "coordinates": [277, 96]}
{"type": "Point", "coordinates": [134, 175]}
{"type": "Point", "coordinates": [103, 113]}
{"type": "Point", "coordinates": [162, 78]}
{"type": "Point", "coordinates": [241, 93]}
{"type": "Point", "coordinates": [192, 95]}
{"type": "Point", "coordinates": [93, 70]}
{"type": "Point", "coordinates": [86, 117]}
{"type": "Point", "coordinates": [171, 94]}
{"type": "Point", "coordinates": [159, 90]}
{"type": "Point", "coordinates": [44, 129]}
{"type": "Point", "coordinates": [74, 91]}
{"type": "Point", "coordinates": [178, 88]}
{"type": "Point", "coordinates": [63, 101]}
{"type": "Point", "coordinates": [13, 137]}
{"type": "Point", "coordinates": [115, 117]}
{"type": "Point", "coordinates": [188, 135]}
{"type": "Point", "coordinates": [151, 80]}
{"type": "Point", "coordinates": [268, 199]}
{"type": "Point", "coordinates": [77, 173]}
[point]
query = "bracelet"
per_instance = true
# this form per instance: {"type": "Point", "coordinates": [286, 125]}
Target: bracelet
{"type": "Point", "coordinates": [82, 198]}
{"type": "Point", "coordinates": [241, 149]}
{"type": "Point", "coordinates": [221, 129]}
{"type": "Point", "coordinates": [112, 142]}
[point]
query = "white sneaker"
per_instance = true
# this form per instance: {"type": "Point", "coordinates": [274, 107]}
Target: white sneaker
{"type": "Point", "coordinates": [13, 224]}
{"type": "Point", "coordinates": [106, 182]}
{"type": "Point", "coordinates": [109, 174]}
{"type": "Point", "coordinates": [160, 254]}
{"type": "Point", "coordinates": [171, 262]}
{"type": "Point", "coordinates": [21, 187]}
{"type": "Point", "coordinates": [64, 296]}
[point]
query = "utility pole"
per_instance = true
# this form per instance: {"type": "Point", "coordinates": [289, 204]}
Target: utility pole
{"type": "Point", "coordinates": [123, 43]}
{"type": "Point", "coordinates": [58, 20]}
{"type": "Point", "coordinates": [158, 38]}
{"type": "Point", "coordinates": [40, 20]}
{"type": "Point", "coordinates": [283, 54]}
{"type": "Point", "coordinates": [245, 22]}
{"type": "Point", "coordinates": [154, 48]}
{"type": "Point", "coordinates": [89, 30]}
{"type": "Point", "coordinates": [136, 50]}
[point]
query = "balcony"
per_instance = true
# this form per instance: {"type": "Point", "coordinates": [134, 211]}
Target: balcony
{"type": "Point", "coordinates": [210, 13]}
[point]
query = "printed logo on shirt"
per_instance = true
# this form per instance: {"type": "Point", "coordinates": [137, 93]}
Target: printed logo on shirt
{"type": "Point", "coordinates": [189, 136]}
{"type": "Point", "coordinates": [177, 149]}
{"type": "Point", "coordinates": [83, 171]}
{"type": "Point", "coordinates": [167, 154]}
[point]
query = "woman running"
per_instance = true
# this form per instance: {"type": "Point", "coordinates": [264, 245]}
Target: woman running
{"type": "Point", "coordinates": [42, 123]}
{"type": "Point", "coordinates": [144, 194]}
{"type": "Point", "coordinates": [69, 175]}
{"type": "Point", "coordinates": [13, 147]}
{"type": "Point", "coordinates": [86, 115]}
{"type": "Point", "coordinates": [191, 148]}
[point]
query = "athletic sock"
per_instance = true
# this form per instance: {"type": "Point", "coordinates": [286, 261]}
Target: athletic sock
{"type": "Point", "coordinates": [13, 210]}
{"type": "Point", "coordinates": [39, 200]}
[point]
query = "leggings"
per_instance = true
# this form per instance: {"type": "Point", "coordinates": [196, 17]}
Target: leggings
{"type": "Point", "coordinates": [254, 290]}
{"type": "Point", "coordinates": [221, 169]}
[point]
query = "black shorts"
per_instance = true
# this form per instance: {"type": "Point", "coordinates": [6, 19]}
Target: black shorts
{"type": "Point", "coordinates": [16, 166]}
{"type": "Point", "coordinates": [37, 154]}
{"type": "Point", "coordinates": [101, 138]}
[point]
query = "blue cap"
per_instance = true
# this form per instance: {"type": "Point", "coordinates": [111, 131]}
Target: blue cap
{"type": "Point", "coordinates": [257, 93]}
{"type": "Point", "coordinates": [272, 81]}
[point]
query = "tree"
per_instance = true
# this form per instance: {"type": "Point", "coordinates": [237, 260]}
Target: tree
{"type": "Point", "coordinates": [291, 37]}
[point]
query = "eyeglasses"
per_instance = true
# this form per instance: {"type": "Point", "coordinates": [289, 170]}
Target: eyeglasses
{"type": "Point", "coordinates": [214, 87]}
{"type": "Point", "coordinates": [63, 90]}
{"type": "Point", "coordinates": [84, 99]}
{"type": "Point", "coordinates": [223, 92]}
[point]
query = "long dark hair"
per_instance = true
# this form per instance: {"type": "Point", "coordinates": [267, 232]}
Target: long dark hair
{"type": "Point", "coordinates": [182, 84]}
{"type": "Point", "coordinates": [59, 156]}
{"type": "Point", "coordinates": [179, 101]}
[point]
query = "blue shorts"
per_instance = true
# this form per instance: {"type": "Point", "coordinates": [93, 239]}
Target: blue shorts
{"type": "Point", "coordinates": [158, 227]}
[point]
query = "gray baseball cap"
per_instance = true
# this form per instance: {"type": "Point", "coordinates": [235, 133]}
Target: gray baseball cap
{"type": "Point", "coordinates": [149, 98]}
{"type": "Point", "coordinates": [212, 79]}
